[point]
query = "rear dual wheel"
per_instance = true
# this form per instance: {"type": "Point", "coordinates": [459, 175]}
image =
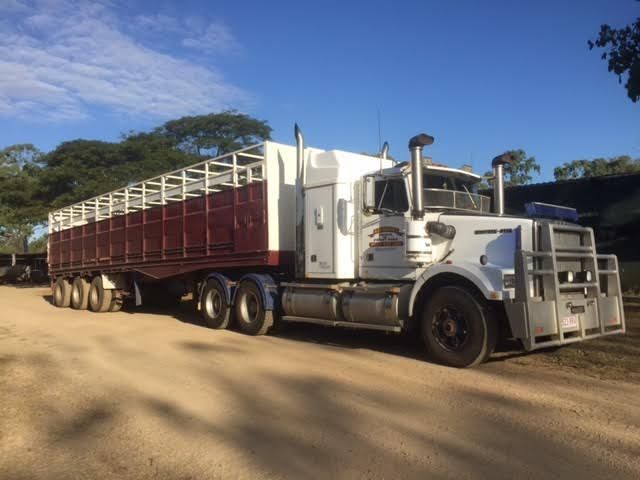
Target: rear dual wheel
{"type": "Point", "coordinates": [251, 315]}
{"type": "Point", "coordinates": [99, 297]}
{"type": "Point", "coordinates": [214, 307]}
{"type": "Point", "coordinates": [61, 292]}
{"type": "Point", "coordinates": [80, 293]}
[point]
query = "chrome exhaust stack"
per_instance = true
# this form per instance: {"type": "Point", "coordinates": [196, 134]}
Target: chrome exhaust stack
{"type": "Point", "coordinates": [384, 153]}
{"type": "Point", "coordinates": [416, 144]}
{"type": "Point", "coordinates": [299, 245]}
{"type": "Point", "coordinates": [497, 165]}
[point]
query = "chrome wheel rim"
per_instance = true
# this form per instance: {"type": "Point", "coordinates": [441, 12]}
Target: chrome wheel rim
{"type": "Point", "coordinates": [213, 304]}
{"type": "Point", "coordinates": [250, 307]}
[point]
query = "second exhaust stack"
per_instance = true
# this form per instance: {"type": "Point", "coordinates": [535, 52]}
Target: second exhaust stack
{"type": "Point", "coordinates": [498, 164]}
{"type": "Point", "coordinates": [416, 144]}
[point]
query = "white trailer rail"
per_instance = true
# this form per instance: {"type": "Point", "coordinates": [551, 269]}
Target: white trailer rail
{"type": "Point", "coordinates": [231, 170]}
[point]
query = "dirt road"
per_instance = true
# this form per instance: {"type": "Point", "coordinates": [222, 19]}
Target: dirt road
{"type": "Point", "coordinates": [152, 395]}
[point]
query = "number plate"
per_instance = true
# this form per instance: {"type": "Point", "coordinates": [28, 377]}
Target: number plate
{"type": "Point", "coordinates": [569, 322]}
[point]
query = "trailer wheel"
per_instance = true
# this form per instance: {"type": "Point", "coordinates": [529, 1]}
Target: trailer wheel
{"type": "Point", "coordinates": [99, 297]}
{"type": "Point", "coordinates": [457, 329]}
{"type": "Point", "coordinates": [80, 293]}
{"type": "Point", "coordinates": [251, 315]}
{"type": "Point", "coordinates": [116, 301]}
{"type": "Point", "coordinates": [61, 292]}
{"type": "Point", "coordinates": [213, 306]}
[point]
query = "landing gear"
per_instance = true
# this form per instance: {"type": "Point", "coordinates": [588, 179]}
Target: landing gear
{"type": "Point", "coordinates": [457, 329]}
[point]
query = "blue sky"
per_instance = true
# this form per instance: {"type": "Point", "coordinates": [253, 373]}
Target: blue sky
{"type": "Point", "coordinates": [481, 76]}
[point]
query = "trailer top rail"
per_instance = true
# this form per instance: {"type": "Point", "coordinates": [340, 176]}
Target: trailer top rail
{"type": "Point", "coordinates": [231, 170]}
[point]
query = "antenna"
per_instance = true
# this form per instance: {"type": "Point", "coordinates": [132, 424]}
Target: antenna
{"type": "Point", "coordinates": [379, 130]}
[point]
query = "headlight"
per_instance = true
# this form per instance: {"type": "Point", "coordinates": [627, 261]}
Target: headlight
{"type": "Point", "coordinates": [584, 277]}
{"type": "Point", "coordinates": [509, 280]}
{"type": "Point", "coordinates": [566, 277]}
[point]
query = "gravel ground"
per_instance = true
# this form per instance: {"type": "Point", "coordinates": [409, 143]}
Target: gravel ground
{"type": "Point", "coordinates": [156, 395]}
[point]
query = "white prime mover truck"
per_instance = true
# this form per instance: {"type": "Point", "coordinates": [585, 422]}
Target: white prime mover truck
{"type": "Point", "coordinates": [296, 234]}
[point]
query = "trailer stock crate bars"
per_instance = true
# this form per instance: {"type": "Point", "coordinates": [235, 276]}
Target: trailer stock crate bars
{"type": "Point", "coordinates": [237, 169]}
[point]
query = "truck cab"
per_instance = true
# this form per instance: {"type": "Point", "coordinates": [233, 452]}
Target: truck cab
{"type": "Point", "coordinates": [413, 246]}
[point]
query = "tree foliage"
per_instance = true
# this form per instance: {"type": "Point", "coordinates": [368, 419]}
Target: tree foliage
{"type": "Point", "coordinates": [520, 171]}
{"type": "Point", "coordinates": [33, 183]}
{"type": "Point", "coordinates": [19, 206]}
{"type": "Point", "coordinates": [597, 167]}
{"type": "Point", "coordinates": [622, 51]}
{"type": "Point", "coordinates": [216, 133]}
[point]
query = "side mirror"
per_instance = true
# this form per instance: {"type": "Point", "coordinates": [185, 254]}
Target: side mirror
{"type": "Point", "coordinates": [369, 193]}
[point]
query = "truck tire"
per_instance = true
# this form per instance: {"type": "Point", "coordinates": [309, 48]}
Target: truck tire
{"type": "Point", "coordinates": [213, 306]}
{"type": "Point", "coordinates": [80, 293]}
{"type": "Point", "coordinates": [99, 297]}
{"type": "Point", "coordinates": [456, 328]}
{"type": "Point", "coordinates": [61, 292]}
{"type": "Point", "coordinates": [251, 316]}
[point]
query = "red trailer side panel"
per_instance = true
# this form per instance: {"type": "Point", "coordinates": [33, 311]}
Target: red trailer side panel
{"type": "Point", "coordinates": [221, 230]}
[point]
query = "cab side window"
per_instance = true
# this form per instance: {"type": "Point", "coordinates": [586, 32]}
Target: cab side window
{"type": "Point", "coordinates": [391, 194]}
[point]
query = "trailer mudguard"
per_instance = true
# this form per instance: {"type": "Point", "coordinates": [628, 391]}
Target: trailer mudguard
{"type": "Point", "coordinates": [267, 286]}
{"type": "Point", "coordinates": [227, 285]}
{"type": "Point", "coordinates": [487, 278]}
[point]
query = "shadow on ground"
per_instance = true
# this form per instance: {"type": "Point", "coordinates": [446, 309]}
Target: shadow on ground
{"type": "Point", "coordinates": [310, 425]}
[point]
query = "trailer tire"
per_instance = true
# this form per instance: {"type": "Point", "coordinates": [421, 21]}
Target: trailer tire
{"type": "Point", "coordinates": [251, 316]}
{"type": "Point", "coordinates": [80, 293]}
{"type": "Point", "coordinates": [214, 306]}
{"type": "Point", "coordinates": [61, 292]}
{"type": "Point", "coordinates": [99, 297]}
{"type": "Point", "coordinates": [457, 328]}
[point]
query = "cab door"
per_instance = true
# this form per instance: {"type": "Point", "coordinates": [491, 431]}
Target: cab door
{"type": "Point", "coordinates": [383, 231]}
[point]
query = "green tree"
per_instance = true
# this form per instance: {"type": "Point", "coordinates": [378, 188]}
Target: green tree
{"type": "Point", "coordinates": [20, 210]}
{"type": "Point", "coordinates": [622, 50]}
{"type": "Point", "coordinates": [216, 133]}
{"type": "Point", "coordinates": [32, 183]}
{"type": "Point", "coordinates": [597, 167]}
{"type": "Point", "coordinates": [79, 169]}
{"type": "Point", "coordinates": [519, 172]}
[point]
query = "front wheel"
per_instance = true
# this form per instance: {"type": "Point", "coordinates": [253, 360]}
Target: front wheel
{"type": "Point", "coordinates": [251, 316]}
{"type": "Point", "coordinates": [457, 329]}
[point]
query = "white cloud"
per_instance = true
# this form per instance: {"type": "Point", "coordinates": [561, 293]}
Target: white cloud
{"type": "Point", "coordinates": [217, 37]}
{"type": "Point", "coordinates": [59, 59]}
{"type": "Point", "coordinates": [206, 36]}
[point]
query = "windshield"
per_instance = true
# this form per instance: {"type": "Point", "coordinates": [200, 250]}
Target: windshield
{"type": "Point", "coordinates": [450, 192]}
{"type": "Point", "coordinates": [447, 183]}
